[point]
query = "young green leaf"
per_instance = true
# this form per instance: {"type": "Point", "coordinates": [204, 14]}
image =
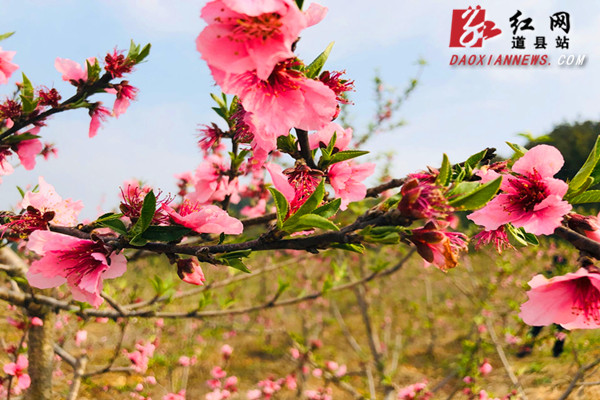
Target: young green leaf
{"type": "Point", "coordinates": [309, 205]}
{"type": "Point", "coordinates": [518, 149]}
{"type": "Point", "coordinates": [591, 196]}
{"type": "Point", "coordinates": [443, 177]}
{"type": "Point", "coordinates": [474, 160]}
{"type": "Point", "coordinates": [346, 155]}
{"type": "Point", "coordinates": [281, 204]}
{"type": "Point", "coordinates": [310, 221]}
{"type": "Point", "coordinates": [586, 170]}
{"type": "Point", "coordinates": [5, 36]}
{"type": "Point", "coordinates": [146, 216]}
{"type": "Point", "coordinates": [115, 224]}
{"type": "Point", "coordinates": [165, 233]}
{"type": "Point", "coordinates": [314, 68]}
{"type": "Point", "coordinates": [478, 197]}
{"type": "Point", "coordinates": [328, 210]}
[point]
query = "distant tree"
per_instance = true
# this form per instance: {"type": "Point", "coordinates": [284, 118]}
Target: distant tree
{"type": "Point", "coordinates": [574, 142]}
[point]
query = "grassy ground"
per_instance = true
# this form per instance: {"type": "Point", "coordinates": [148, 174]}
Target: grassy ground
{"type": "Point", "coordinates": [425, 323]}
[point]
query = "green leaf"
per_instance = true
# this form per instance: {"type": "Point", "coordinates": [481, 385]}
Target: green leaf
{"type": "Point", "coordinates": [327, 285]}
{"type": "Point", "coordinates": [310, 221]}
{"type": "Point", "coordinates": [148, 210]}
{"type": "Point", "coordinates": [346, 155]}
{"type": "Point", "coordinates": [314, 68]}
{"type": "Point", "coordinates": [591, 196]}
{"type": "Point", "coordinates": [5, 36]}
{"type": "Point", "coordinates": [235, 263]}
{"type": "Point", "coordinates": [281, 286]}
{"type": "Point", "coordinates": [478, 197]}
{"type": "Point", "coordinates": [235, 254]}
{"type": "Point", "coordinates": [143, 54]}
{"type": "Point", "coordinates": [519, 238]}
{"type": "Point", "coordinates": [445, 172]}
{"type": "Point", "coordinates": [115, 224]}
{"type": "Point", "coordinates": [108, 216]}
{"type": "Point", "coordinates": [299, 3]}
{"type": "Point", "coordinates": [287, 144]}
{"type": "Point", "coordinates": [138, 240]}
{"type": "Point", "coordinates": [586, 170]}
{"type": "Point", "coordinates": [309, 205]}
{"type": "Point", "coordinates": [356, 248]}
{"type": "Point", "coordinates": [281, 204]}
{"type": "Point", "coordinates": [93, 70]}
{"type": "Point", "coordinates": [26, 88]}
{"type": "Point", "coordinates": [28, 105]}
{"type": "Point", "coordinates": [14, 139]}
{"type": "Point", "coordinates": [21, 191]}
{"type": "Point", "coordinates": [463, 188]}
{"type": "Point", "coordinates": [165, 233]}
{"type": "Point", "coordinates": [219, 100]}
{"type": "Point", "coordinates": [518, 149]}
{"type": "Point", "coordinates": [474, 160]}
{"type": "Point", "coordinates": [330, 209]}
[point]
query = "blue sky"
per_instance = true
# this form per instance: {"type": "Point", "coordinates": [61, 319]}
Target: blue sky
{"type": "Point", "coordinates": [457, 110]}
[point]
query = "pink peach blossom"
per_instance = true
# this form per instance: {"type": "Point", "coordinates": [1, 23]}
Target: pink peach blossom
{"type": "Point", "coordinates": [280, 181]}
{"type": "Point", "coordinates": [175, 396]}
{"type": "Point", "coordinates": [531, 198]}
{"type": "Point", "coordinates": [204, 218]}
{"type": "Point", "coordinates": [226, 351]}
{"type": "Point", "coordinates": [72, 71]}
{"type": "Point", "coordinates": [6, 66]}
{"type": "Point", "coordinates": [16, 369]}
{"type": "Point", "coordinates": [28, 149]}
{"type": "Point", "coordinates": [80, 337]}
{"type": "Point", "coordinates": [36, 321]}
{"type": "Point", "coordinates": [287, 99]}
{"type": "Point", "coordinates": [46, 199]}
{"type": "Point", "coordinates": [211, 181]}
{"type": "Point", "coordinates": [246, 35]}
{"type": "Point", "coordinates": [141, 356]}
{"type": "Point", "coordinates": [5, 167]}
{"type": "Point", "coordinates": [82, 264]}
{"type": "Point", "coordinates": [218, 373]}
{"type": "Point", "coordinates": [125, 94]}
{"type": "Point", "coordinates": [571, 300]}
{"type": "Point", "coordinates": [485, 368]}
{"type": "Point", "coordinates": [323, 136]}
{"type": "Point", "coordinates": [346, 178]}
{"type": "Point", "coordinates": [99, 115]}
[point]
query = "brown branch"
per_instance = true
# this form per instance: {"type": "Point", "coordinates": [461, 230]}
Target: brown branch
{"type": "Point", "coordinates": [305, 150]}
{"type": "Point", "coordinates": [578, 376]}
{"type": "Point", "coordinates": [21, 299]}
{"type": "Point", "coordinates": [377, 190]}
{"type": "Point", "coordinates": [83, 92]}
{"type": "Point", "coordinates": [579, 241]}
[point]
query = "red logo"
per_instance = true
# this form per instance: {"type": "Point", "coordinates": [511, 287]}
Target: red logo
{"type": "Point", "coordinates": [470, 29]}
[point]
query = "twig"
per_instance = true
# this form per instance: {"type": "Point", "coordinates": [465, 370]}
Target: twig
{"type": "Point", "coordinates": [23, 298]}
{"type": "Point", "coordinates": [78, 373]}
{"type": "Point", "coordinates": [347, 334]}
{"type": "Point", "coordinates": [502, 355]}
{"type": "Point", "coordinates": [578, 375]}
{"type": "Point", "coordinates": [305, 150]}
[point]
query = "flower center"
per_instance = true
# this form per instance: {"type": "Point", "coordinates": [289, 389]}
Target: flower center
{"type": "Point", "coordinates": [81, 261]}
{"type": "Point", "coordinates": [260, 27]}
{"type": "Point", "coordinates": [587, 300]}
{"type": "Point", "coordinates": [529, 191]}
